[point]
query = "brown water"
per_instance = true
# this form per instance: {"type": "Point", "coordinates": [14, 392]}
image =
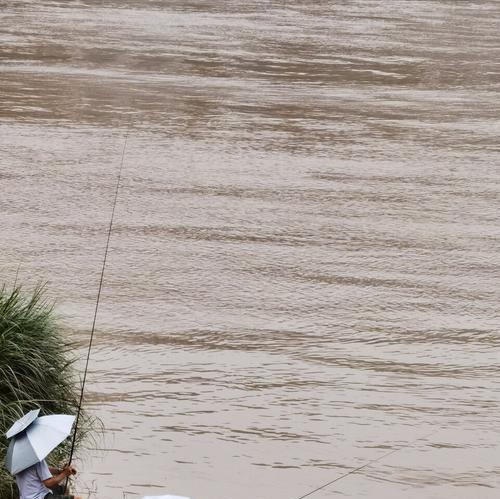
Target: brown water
{"type": "Point", "coordinates": [304, 270]}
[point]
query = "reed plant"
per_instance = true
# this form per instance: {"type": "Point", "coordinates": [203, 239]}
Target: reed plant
{"type": "Point", "coordinates": [36, 369]}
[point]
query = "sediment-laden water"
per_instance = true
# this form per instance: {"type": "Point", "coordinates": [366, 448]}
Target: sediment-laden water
{"type": "Point", "coordinates": [304, 268]}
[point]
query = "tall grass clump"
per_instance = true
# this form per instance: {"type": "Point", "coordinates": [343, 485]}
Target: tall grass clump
{"type": "Point", "coordinates": [36, 368]}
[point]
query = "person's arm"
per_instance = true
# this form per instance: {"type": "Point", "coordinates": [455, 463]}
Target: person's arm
{"type": "Point", "coordinates": [54, 471]}
{"type": "Point", "coordinates": [55, 480]}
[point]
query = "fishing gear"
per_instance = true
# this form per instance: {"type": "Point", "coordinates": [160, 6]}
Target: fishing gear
{"type": "Point", "coordinates": [355, 470]}
{"type": "Point", "coordinates": [98, 296]}
{"type": "Point", "coordinates": [110, 229]}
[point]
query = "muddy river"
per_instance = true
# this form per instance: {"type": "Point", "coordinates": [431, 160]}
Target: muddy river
{"type": "Point", "coordinates": [304, 269]}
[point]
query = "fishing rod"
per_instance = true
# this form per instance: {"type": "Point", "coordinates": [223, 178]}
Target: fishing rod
{"type": "Point", "coordinates": [101, 281]}
{"type": "Point", "coordinates": [110, 228]}
{"type": "Point", "coordinates": [359, 468]}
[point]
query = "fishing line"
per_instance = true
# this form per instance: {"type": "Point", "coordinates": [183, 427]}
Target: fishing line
{"type": "Point", "coordinates": [355, 470]}
{"type": "Point", "coordinates": [110, 228]}
{"type": "Point", "coordinates": [101, 281]}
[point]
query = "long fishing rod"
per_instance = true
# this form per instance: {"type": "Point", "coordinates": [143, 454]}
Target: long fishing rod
{"type": "Point", "coordinates": [110, 228]}
{"type": "Point", "coordinates": [355, 470]}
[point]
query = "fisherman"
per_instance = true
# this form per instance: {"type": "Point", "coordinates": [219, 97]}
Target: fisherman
{"type": "Point", "coordinates": [41, 482]}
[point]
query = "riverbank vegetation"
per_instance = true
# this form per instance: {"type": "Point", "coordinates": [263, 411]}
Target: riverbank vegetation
{"type": "Point", "coordinates": [36, 369]}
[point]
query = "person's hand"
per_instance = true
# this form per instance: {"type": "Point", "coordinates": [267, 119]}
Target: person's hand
{"type": "Point", "coordinates": [69, 470]}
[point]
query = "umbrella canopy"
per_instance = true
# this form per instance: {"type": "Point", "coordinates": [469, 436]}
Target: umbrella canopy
{"type": "Point", "coordinates": [39, 439]}
{"type": "Point", "coordinates": [23, 423]}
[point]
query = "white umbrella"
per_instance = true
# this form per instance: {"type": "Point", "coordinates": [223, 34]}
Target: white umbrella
{"type": "Point", "coordinates": [23, 423]}
{"type": "Point", "coordinates": [39, 439]}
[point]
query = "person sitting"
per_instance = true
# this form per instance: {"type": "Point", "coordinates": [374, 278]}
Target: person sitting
{"type": "Point", "coordinates": [37, 481]}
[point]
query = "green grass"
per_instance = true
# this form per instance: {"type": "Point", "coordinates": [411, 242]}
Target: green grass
{"type": "Point", "coordinates": [36, 369]}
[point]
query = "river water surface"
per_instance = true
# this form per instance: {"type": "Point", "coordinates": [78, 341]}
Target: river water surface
{"type": "Point", "coordinates": [304, 266]}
